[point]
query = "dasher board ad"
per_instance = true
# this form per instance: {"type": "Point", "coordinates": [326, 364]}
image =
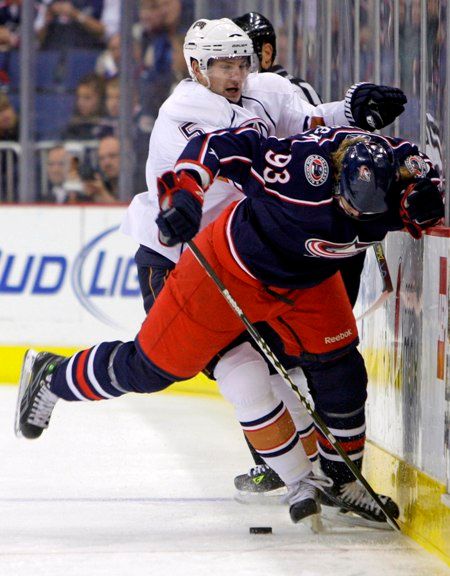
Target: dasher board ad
{"type": "Point", "coordinates": [67, 276]}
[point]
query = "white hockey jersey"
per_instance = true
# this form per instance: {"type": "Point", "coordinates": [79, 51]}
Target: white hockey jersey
{"type": "Point", "coordinates": [269, 102]}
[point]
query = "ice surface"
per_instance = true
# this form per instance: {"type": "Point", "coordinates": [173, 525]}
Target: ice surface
{"type": "Point", "coordinates": [143, 485]}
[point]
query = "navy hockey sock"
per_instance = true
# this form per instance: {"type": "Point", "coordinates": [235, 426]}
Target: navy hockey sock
{"type": "Point", "coordinates": [107, 370]}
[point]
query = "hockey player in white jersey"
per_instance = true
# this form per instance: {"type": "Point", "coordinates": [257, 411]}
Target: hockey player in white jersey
{"type": "Point", "coordinates": [224, 92]}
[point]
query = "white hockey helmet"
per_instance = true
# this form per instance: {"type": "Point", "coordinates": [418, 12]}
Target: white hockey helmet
{"type": "Point", "coordinates": [222, 38]}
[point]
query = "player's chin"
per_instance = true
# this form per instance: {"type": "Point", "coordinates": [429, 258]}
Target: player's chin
{"type": "Point", "coordinates": [233, 94]}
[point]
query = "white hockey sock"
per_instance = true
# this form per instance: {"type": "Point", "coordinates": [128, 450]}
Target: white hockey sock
{"type": "Point", "coordinates": [302, 420]}
{"type": "Point", "coordinates": [243, 378]}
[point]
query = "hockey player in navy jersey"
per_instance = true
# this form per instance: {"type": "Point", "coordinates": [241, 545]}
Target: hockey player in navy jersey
{"type": "Point", "coordinates": [260, 479]}
{"type": "Point", "coordinates": [222, 93]}
{"type": "Point", "coordinates": [310, 201]}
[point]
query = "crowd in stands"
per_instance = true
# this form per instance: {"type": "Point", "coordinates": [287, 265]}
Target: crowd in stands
{"type": "Point", "coordinates": [77, 97]}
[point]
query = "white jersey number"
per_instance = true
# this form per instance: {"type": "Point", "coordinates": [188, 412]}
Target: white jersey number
{"type": "Point", "coordinates": [271, 175]}
{"type": "Point", "coordinates": [190, 129]}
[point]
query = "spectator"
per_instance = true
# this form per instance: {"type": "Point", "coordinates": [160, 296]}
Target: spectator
{"type": "Point", "coordinates": [153, 52]}
{"type": "Point", "coordinates": [151, 39]}
{"type": "Point", "coordinates": [179, 70]}
{"type": "Point", "coordinates": [109, 124]}
{"type": "Point", "coordinates": [172, 15]}
{"type": "Point", "coordinates": [76, 24]}
{"type": "Point", "coordinates": [152, 97]}
{"type": "Point", "coordinates": [9, 25]}
{"type": "Point", "coordinates": [9, 121]}
{"type": "Point", "coordinates": [9, 131]}
{"type": "Point", "coordinates": [85, 124]}
{"type": "Point", "coordinates": [103, 186]}
{"type": "Point", "coordinates": [108, 63]}
{"type": "Point", "coordinates": [111, 17]}
{"type": "Point", "coordinates": [64, 182]}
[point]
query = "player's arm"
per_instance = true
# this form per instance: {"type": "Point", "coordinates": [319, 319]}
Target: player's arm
{"type": "Point", "coordinates": [227, 153]}
{"type": "Point", "coordinates": [419, 198]}
{"type": "Point", "coordinates": [368, 106]}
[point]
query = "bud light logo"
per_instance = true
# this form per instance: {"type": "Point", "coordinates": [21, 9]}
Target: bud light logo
{"type": "Point", "coordinates": [99, 276]}
{"type": "Point", "coordinates": [102, 277]}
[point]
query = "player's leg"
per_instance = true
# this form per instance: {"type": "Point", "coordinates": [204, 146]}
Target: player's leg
{"type": "Point", "coordinates": [339, 391]}
{"type": "Point", "coordinates": [105, 371]}
{"type": "Point", "coordinates": [261, 479]}
{"type": "Point", "coordinates": [153, 270]}
{"type": "Point", "coordinates": [111, 369]}
{"type": "Point", "coordinates": [337, 380]}
{"type": "Point", "coordinates": [244, 380]}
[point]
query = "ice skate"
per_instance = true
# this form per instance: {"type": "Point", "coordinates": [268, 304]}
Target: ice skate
{"type": "Point", "coordinates": [35, 401]}
{"type": "Point", "coordinates": [259, 484]}
{"type": "Point", "coordinates": [356, 507]}
{"type": "Point", "coordinates": [304, 499]}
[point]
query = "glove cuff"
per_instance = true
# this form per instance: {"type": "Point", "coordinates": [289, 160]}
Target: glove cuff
{"type": "Point", "coordinates": [348, 102]}
{"type": "Point", "coordinates": [203, 174]}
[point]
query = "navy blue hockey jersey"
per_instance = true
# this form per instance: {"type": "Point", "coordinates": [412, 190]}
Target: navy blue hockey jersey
{"type": "Point", "coordinates": [288, 231]}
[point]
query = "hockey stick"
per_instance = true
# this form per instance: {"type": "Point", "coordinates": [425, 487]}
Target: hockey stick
{"type": "Point", "coordinates": [387, 287]}
{"type": "Point", "coordinates": [288, 380]}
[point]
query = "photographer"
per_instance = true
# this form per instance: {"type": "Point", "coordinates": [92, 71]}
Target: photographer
{"type": "Point", "coordinates": [62, 176]}
{"type": "Point", "coordinates": [102, 186]}
{"type": "Point", "coordinates": [79, 24]}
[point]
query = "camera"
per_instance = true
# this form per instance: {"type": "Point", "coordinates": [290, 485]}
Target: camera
{"type": "Point", "coordinates": [86, 172]}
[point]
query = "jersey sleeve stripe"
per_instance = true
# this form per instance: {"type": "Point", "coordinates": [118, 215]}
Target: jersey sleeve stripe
{"type": "Point", "coordinates": [206, 176]}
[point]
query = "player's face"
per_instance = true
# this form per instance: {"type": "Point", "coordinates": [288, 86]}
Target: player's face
{"type": "Point", "coordinates": [227, 76]}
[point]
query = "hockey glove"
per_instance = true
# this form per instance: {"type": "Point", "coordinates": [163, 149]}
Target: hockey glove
{"type": "Point", "coordinates": [373, 106]}
{"type": "Point", "coordinates": [180, 202]}
{"type": "Point", "coordinates": [421, 206]}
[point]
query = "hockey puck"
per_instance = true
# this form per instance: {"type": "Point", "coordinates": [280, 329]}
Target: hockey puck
{"type": "Point", "coordinates": [260, 530]}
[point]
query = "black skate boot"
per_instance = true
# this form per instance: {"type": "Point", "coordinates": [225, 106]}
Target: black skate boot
{"type": "Point", "coordinates": [304, 499]}
{"type": "Point", "coordinates": [261, 479]}
{"type": "Point", "coordinates": [357, 507]}
{"type": "Point", "coordinates": [35, 402]}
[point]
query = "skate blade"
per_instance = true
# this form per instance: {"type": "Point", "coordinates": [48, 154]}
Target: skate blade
{"type": "Point", "coordinates": [335, 516]}
{"type": "Point", "coordinates": [316, 524]}
{"type": "Point", "coordinates": [24, 382]}
{"type": "Point", "coordinates": [272, 498]}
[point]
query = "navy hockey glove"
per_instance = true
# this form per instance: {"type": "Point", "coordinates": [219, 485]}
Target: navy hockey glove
{"type": "Point", "coordinates": [421, 206]}
{"type": "Point", "coordinates": [180, 202]}
{"type": "Point", "coordinates": [373, 106]}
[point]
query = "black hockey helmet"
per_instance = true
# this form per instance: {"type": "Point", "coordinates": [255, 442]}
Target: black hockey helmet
{"type": "Point", "coordinates": [259, 29]}
{"type": "Point", "coordinates": [368, 170]}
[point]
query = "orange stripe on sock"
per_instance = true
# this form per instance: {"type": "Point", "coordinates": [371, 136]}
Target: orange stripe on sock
{"type": "Point", "coordinates": [81, 380]}
{"type": "Point", "coordinates": [310, 443]}
{"type": "Point", "coordinates": [347, 446]}
{"type": "Point", "coordinates": [273, 435]}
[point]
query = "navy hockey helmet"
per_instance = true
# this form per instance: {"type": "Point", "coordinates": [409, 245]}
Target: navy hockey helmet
{"type": "Point", "coordinates": [259, 29]}
{"type": "Point", "coordinates": [368, 170]}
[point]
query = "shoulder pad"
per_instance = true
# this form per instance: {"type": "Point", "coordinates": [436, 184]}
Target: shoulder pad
{"type": "Point", "coordinates": [192, 102]}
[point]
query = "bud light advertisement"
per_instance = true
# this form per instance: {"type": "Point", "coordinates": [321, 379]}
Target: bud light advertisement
{"type": "Point", "coordinates": [67, 276]}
